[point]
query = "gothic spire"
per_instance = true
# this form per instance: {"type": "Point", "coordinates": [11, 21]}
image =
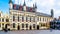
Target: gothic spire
{"type": "Point", "coordinates": [10, 1]}
{"type": "Point", "coordinates": [24, 3]}
{"type": "Point", "coordinates": [52, 14]}
{"type": "Point", "coordinates": [35, 5]}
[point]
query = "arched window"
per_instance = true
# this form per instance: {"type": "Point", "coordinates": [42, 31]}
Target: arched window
{"type": "Point", "coordinates": [13, 18]}
{"type": "Point", "coordinates": [18, 18]}
{"type": "Point", "coordinates": [30, 19]}
{"type": "Point", "coordinates": [34, 19]}
{"type": "Point", "coordinates": [2, 24]}
{"type": "Point", "coordinates": [43, 19]}
{"type": "Point", "coordinates": [26, 19]}
{"type": "Point", "coordinates": [26, 25]}
{"type": "Point", "coordinates": [33, 25]}
{"type": "Point", "coordinates": [2, 19]}
{"type": "Point", "coordinates": [40, 18]}
{"type": "Point", "coordinates": [43, 24]}
{"type": "Point", "coordinates": [22, 25]}
{"type": "Point", "coordinates": [22, 18]}
{"type": "Point", "coordinates": [13, 25]}
{"type": "Point", "coordinates": [7, 20]}
{"type": "Point", "coordinates": [37, 27]}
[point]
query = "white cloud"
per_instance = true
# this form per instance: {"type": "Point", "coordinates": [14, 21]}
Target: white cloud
{"type": "Point", "coordinates": [16, 1]}
{"type": "Point", "coordinates": [56, 13]}
{"type": "Point", "coordinates": [58, 3]}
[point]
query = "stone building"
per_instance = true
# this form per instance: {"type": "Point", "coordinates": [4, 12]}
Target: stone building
{"type": "Point", "coordinates": [22, 17]}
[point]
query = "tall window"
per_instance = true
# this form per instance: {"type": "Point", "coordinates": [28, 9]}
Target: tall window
{"type": "Point", "coordinates": [2, 19]}
{"type": "Point", "coordinates": [30, 19]}
{"type": "Point", "coordinates": [33, 25]}
{"type": "Point", "coordinates": [26, 19]}
{"type": "Point", "coordinates": [47, 19]}
{"type": "Point", "coordinates": [7, 20]}
{"type": "Point", "coordinates": [22, 25]}
{"type": "Point", "coordinates": [34, 19]}
{"type": "Point", "coordinates": [18, 18]}
{"type": "Point", "coordinates": [13, 18]}
{"type": "Point", "coordinates": [13, 25]}
{"type": "Point", "coordinates": [3, 24]}
{"type": "Point", "coordinates": [22, 18]}
{"type": "Point", "coordinates": [26, 25]}
{"type": "Point", "coordinates": [43, 25]}
{"type": "Point", "coordinates": [43, 19]}
{"type": "Point", "coordinates": [40, 18]}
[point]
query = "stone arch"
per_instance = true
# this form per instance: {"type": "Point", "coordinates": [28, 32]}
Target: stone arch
{"type": "Point", "coordinates": [18, 26]}
{"type": "Point", "coordinates": [30, 27]}
{"type": "Point", "coordinates": [37, 27]}
{"type": "Point", "coordinates": [26, 26]}
{"type": "Point", "coordinates": [34, 26]}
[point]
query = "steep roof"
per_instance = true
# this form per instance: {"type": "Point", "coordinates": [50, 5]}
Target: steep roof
{"type": "Point", "coordinates": [42, 14]}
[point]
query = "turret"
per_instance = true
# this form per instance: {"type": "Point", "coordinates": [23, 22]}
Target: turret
{"type": "Point", "coordinates": [24, 6]}
{"type": "Point", "coordinates": [52, 14]}
{"type": "Point", "coordinates": [34, 7]}
{"type": "Point", "coordinates": [10, 4]}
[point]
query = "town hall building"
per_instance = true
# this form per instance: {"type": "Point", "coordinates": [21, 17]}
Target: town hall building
{"type": "Point", "coordinates": [22, 17]}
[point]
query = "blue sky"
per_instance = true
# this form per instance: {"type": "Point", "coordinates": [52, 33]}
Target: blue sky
{"type": "Point", "coordinates": [4, 6]}
{"type": "Point", "coordinates": [43, 5]}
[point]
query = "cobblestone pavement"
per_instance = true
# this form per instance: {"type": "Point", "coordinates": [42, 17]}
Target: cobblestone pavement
{"type": "Point", "coordinates": [31, 32]}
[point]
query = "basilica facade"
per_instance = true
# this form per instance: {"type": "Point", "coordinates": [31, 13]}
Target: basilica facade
{"type": "Point", "coordinates": [22, 17]}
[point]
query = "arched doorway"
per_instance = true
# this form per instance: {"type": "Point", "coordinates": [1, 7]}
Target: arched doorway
{"type": "Point", "coordinates": [30, 27]}
{"type": "Point", "coordinates": [18, 27]}
{"type": "Point", "coordinates": [14, 25]}
{"type": "Point", "coordinates": [34, 26]}
{"type": "Point", "coordinates": [26, 26]}
{"type": "Point", "coordinates": [6, 27]}
{"type": "Point", "coordinates": [37, 27]}
{"type": "Point", "coordinates": [22, 26]}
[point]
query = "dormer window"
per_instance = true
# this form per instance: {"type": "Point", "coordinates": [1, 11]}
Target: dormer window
{"type": "Point", "coordinates": [30, 9]}
{"type": "Point", "coordinates": [20, 8]}
{"type": "Point", "coordinates": [14, 6]}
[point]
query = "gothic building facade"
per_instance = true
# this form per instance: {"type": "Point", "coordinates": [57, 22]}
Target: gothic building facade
{"type": "Point", "coordinates": [22, 17]}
